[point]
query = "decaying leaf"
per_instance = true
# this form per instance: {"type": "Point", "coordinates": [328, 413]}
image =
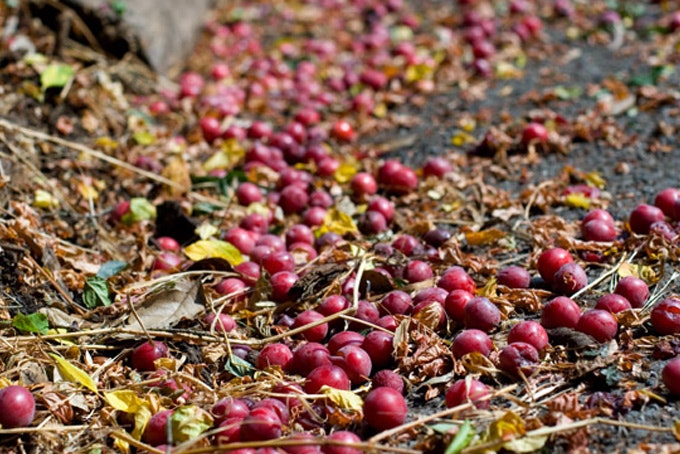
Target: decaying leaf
{"type": "Point", "coordinates": [74, 374]}
{"type": "Point", "coordinates": [347, 400]}
{"type": "Point", "coordinates": [181, 299]}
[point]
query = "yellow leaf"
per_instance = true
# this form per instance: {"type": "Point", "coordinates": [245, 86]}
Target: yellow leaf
{"type": "Point", "coordinates": [87, 191]}
{"type": "Point", "coordinates": [74, 374]}
{"type": "Point", "coordinates": [415, 73]}
{"type": "Point", "coordinates": [461, 138]}
{"type": "Point", "coordinates": [484, 237]}
{"type": "Point", "coordinates": [505, 70]}
{"type": "Point", "coordinates": [206, 231]}
{"type": "Point", "coordinates": [577, 200]}
{"type": "Point", "coordinates": [595, 179]}
{"type": "Point", "coordinates": [204, 249]}
{"type": "Point", "coordinates": [345, 172]}
{"type": "Point", "coordinates": [343, 399]}
{"type": "Point", "coordinates": [125, 400]}
{"type": "Point", "coordinates": [526, 444]}
{"type": "Point", "coordinates": [644, 272]}
{"type": "Point", "coordinates": [380, 110]}
{"type": "Point", "coordinates": [107, 143]}
{"type": "Point", "coordinates": [489, 289]}
{"type": "Point", "coordinates": [43, 199]}
{"type": "Point", "coordinates": [676, 430]}
{"type": "Point", "coordinates": [508, 427]}
{"type": "Point", "coordinates": [337, 222]}
{"type": "Point", "coordinates": [229, 154]}
{"type": "Point", "coordinates": [178, 172]}
{"type": "Point", "coordinates": [142, 417]}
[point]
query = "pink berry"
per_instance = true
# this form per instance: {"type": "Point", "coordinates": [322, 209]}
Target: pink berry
{"type": "Point", "coordinates": [665, 316]}
{"type": "Point", "coordinates": [330, 375]}
{"type": "Point", "coordinates": [455, 304]}
{"type": "Point", "coordinates": [613, 303]}
{"type": "Point", "coordinates": [670, 376]}
{"type": "Point", "coordinates": [314, 334]}
{"type": "Point", "coordinates": [17, 407]}
{"type": "Point", "coordinates": [643, 216]}
{"type": "Point", "coordinates": [144, 356]}
{"type": "Point", "coordinates": [482, 314]}
{"type": "Point", "coordinates": [463, 391]}
{"type": "Point", "coordinates": [222, 323]}
{"type": "Point", "coordinates": [275, 354]}
{"type": "Point", "coordinates": [634, 289]}
{"type": "Point", "coordinates": [569, 279]}
{"type": "Point", "coordinates": [388, 378]}
{"type": "Point", "coordinates": [309, 356]}
{"type": "Point", "coordinates": [560, 312]}
{"type": "Point", "coordinates": [552, 260]}
{"type": "Point", "coordinates": [385, 408]}
{"type": "Point", "coordinates": [529, 332]}
{"type": "Point", "coordinates": [599, 324]}
{"type": "Point", "coordinates": [598, 230]}
{"type": "Point", "coordinates": [471, 340]}
{"type": "Point", "coordinates": [534, 133]}
{"type": "Point", "coordinates": [456, 278]}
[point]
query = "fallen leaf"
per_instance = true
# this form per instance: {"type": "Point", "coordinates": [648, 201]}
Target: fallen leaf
{"type": "Point", "coordinates": [342, 398]}
{"type": "Point", "coordinates": [213, 248]}
{"type": "Point", "coordinates": [74, 374]}
{"type": "Point", "coordinates": [182, 299]}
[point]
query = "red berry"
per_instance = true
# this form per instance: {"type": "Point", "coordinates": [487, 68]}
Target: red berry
{"type": "Point", "coordinates": [569, 279]}
{"type": "Point", "coordinates": [309, 356]}
{"type": "Point", "coordinates": [396, 302]}
{"type": "Point", "coordinates": [378, 345]}
{"type": "Point", "coordinates": [516, 357]}
{"type": "Point", "coordinates": [17, 407]}
{"type": "Point", "coordinates": [471, 340]}
{"type": "Point", "coordinates": [385, 408]}
{"type": "Point", "coordinates": [598, 230]}
{"type": "Point", "coordinates": [529, 332]}
{"type": "Point", "coordinates": [355, 362]}
{"type": "Point", "coordinates": [560, 312]}
{"type": "Point", "coordinates": [330, 375]}
{"type": "Point", "coordinates": [417, 271]}
{"type": "Point", "coordinates": [456, 278]}
{"type": "Point", "coordinates": [600, 215]}
{"type": "Point", "coordinates": [144, 356]}
{"type": "Point", "coordinates": [613, 303]}
{"type": "Point", "coordinates": [534, 133]}
{"type": "Point", "coordinates": [343, 338]}
{"type": "Point", "coordinates": [363, 184]}
{"type": "Point", "coordinates": [222, 323]}
{"type": "Point", "coordinates": [382, 206]}
{"type": "Point", "coordinates": [343, 131]}
{"type": "Point", "coordinates": [276, 354]}
{"type": "Point", "coordinates": [599, 324]}
{"type": "Point", "coordinates": [665, 316]}
{"type": "Point", "coordinates": [436, 167]}
{"type": "Point", "coordinates": [668, 200]}
{"type": "Point", "coordinates": [342, 436]}
{"type": "Point", "coordinates": [463, 391]}
{"type": "Point", "coordinates": [155, 431]}
{"type": "Point", "coordinates": [643, 216]}
{"type": "Point", "coordinates": [670, 376]}
{"type": "Point", "coordinates": [166, 243]}
{"type": "Point", "coordinates": [552, 260]}
{"type": "Point", "coordinates": [313, 334]}
{"type": "Point", "coordinates": [482, 314]}
{"type": "Point", "coordinates": [261, 424]}
{"type": "Point", "coordinates": [388, 378]}
{"type": "Point", "coordinates": [281, 283]}
{"type": "Point", "coordinates": [455, 304]}
{"type": "Point", "coordinates": [514, 277]}
{"type": "Point", "coordinates": [634, 289]}
{"type": "Point", "coordinates": [211, 128]}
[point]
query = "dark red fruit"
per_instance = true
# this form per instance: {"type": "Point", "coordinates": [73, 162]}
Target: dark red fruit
{"type": "Point", "coordinates": [569, 279]}
{"type": "Point", "coordinates": [155, 431]}
{"type": "Point", "coordinates": [534, 133]}
{"type": "Point", "coordinates": [601, 325]}
{"type": "Point", "coordinates": [261, 424]}
{"type": "Point", "coordinates": [471, 340]}
{"type": "Point", "coordinates": [355, 362]}
{"type": "Point", "coordinates": [330, 375]}
{"type": "Point", "coordinates": [560, 312]}
{"type": "Point", "coordinates": [313, 334]}
{"type": "Point", "coordinates": [514, 277]}
{"type": "Point", "coordinates": [482, 314]}
{"type": "Point", "coordinates": [378, 345]}
{"type": "Point", "coordinates": [276, 354]}
{"type": "Point", "coordinates": [598, 230]}
{"type": "Point", "coordinates": [463, 391]}
{"type": "Point", "coordinates": [385, 408]}
{"type": "Point", "coordinates": [634, 289]}
{"type": "Point", "coordinates": [668, 201]}
{"type": "Point", "coordinates": [613, 303]}
{"type": "Point", "coordinates": [389, 378]}
{"type": "Point", "coordinates": [309, 356]}
{"type": "Point", "coordinates": [665, 316]}
{"type": "Point", "coordinates": [17, 407]}
{"type": "Point", "coordinates": [143, 357]}
{"type": "Point", "coordinates": [643, 216]}
{"type": "Point", "coordinates": [456, 278]}
{"type": "Point", "coordinates": [552, 260]}
{"type": "Point", "coordinates": [455, 304]}
{"type": "Point", "coordinates": [529, 332]}
{"type": "Point", "coordinates": [516, 357]}
{"type": "Point", "coordinates": [343, 437]}
{"type": "Point", "coordinates": [670, 376]}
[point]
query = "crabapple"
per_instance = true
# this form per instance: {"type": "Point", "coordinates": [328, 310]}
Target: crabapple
{"type": "Point", "coordinates": [462, 391]}
{"type": "Point", "coordinates": [17, 407]}
{"type": "Point", "coordinates": [384, 408]}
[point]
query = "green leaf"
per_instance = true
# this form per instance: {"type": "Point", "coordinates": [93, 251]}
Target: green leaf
{"type": "Point", "coordinates": [56, 75]}
{"type": "Point", "coordinates": [462, 439]}
{"type": "Point", "coordinates": [205, 208]}
{"type": "Point", "coordinates": [237, 366]}
{"type": "Point", "coordinates": [140, 210]}
{"type": "Point", "coordinates": [189, 422]}
{"type": "Point", "coordinates": [31, 323]}
{"type": "Point", "coordinates": [653, 76]}
{"type": "Point", "coordinates": [111, 268]}
{"type": "Point", "coordinates": [144, 138]}
{"type": "Point", "coordinates": [96, 292]}
{"type": "Point", "coordinates": [444, 427]}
